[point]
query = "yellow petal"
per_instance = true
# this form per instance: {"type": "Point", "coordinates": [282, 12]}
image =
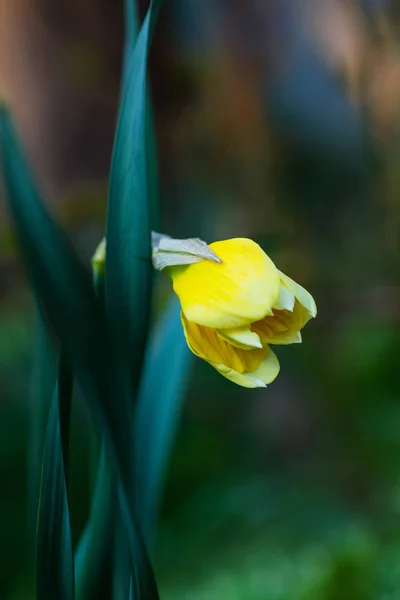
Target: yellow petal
{"type": "Point", "coordinates": [207, 344]}
{"type": "Point", "coordinates": [241, 337]}
{"type": "Point", "coordinates": [242, 289]}
{"type": "Point", "coordinates": [301, 294]}
{"type": "Point", "coordinates": [249, 368]}
{"type": "Point", "coordinates": [284, 326]}
{"type": "Point", "coordinates": [266, 372]}
{"type": "Point", "coordinates": [285, 299]}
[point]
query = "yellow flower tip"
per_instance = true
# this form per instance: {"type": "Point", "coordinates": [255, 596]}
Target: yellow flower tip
{"type": "Point", "coordinates": [312, 309]}
{"type": "Point", "coordinates": [300, 294]}
{"type": "Point", "coordinates": [257, 382]}
{"type": "Point", "coordinates": [298, 339]}
{"type": "Point", "coordinates": [241, 289]}
{"type": "Point", "coordinates": [99, 258]}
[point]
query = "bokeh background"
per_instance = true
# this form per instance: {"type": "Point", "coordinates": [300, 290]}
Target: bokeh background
{"type": "Point", "coordinates": [276, 120]}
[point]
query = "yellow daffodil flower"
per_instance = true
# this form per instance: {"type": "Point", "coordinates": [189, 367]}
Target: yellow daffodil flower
{"type": "Point", "coordinates": [235, 303]}
{"type": "Point", "coordinates": [234, 307]}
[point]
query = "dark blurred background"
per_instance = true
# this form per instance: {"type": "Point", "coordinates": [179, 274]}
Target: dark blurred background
{"type": "Point", "coordinates": [276, 120]}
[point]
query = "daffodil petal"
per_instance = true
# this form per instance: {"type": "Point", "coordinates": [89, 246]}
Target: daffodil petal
{"type": "Point", "coordinates": [283, 327]}
{"type": "Point", "coordinates": [268, 370]}
{"type": "Point", "coordinates": [207, 344]}
{"type": "Point", "coordinates": [266, 373]}
{"type": "Point", "coordinates": [285, 300]}
{"type": "Point", "coordinates": [241, 337]}
{"type": "Point", "coordinates": [281, 338]}
{"type": "Point", "coordinates": [301, 294]}
{"type": "Point", "coordinates": [240, 290]}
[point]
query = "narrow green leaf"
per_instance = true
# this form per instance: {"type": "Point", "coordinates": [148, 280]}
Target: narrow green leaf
{"type": "Point", "coordinates": [128, 266]}
{"type": "Point", "coordinates": [62, 284]}
{"type": "Point", "coordinates": [131, 31]}
{"type": "Point", "coordinates": [54, 559]}
{"type": "Point", "coordinates": [93, 552]}
{"type": "Point", "coordinates": [44, 377]}
{"type": "Point", "coordinates": [152, 172]}
{"type": "Point", "coordinates": [64, 288]}
{"type": "Point", "coordinates": [132, 204]}
{"type": "Point", "coordinates": [161, 394]}
{"type": "Point", "coordinates": [93, 559]}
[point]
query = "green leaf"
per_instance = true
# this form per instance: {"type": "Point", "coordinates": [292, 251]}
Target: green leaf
{"type": "Point", "coordinates": [152, 171]}
{"type": "Point", "coordinates": [54, 558]}
{"type": "Point", "coordinates": [161, 394]}
{"type": "Point", "coordinates": [128, 279]}
{"type": "Point", "coordinates": [93, 551]}
{"type": "Point", "coordinates": [93, 559]}
{"type": "Point", "coordinates": [131, 31]}
{"type": "Point", "coordinates": [128, 265]}
{"type": "Point", "coordinates": [44, 377]}
{"type": "Point", "coordinates": [61, 283]}
{"type": "Point", "coordinates": [64, 289]}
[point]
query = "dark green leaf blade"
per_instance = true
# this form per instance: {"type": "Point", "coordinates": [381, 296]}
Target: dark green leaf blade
{"type": "Point", "coordinates": [65, 290]}
{"type": "Point", "coordinates": [54, 556]}
{"type": "Point", "coordinates": [132, 207]}
{"type": "Point", "coordinates": [131, 31]}
{"type": "Point", "coordinates": [93, 555]}
{"type": "Point", "coordinates": [44, 376]}
{"type": "Point", "coordinates": [161, 394]}
{"type": "Point", "coordinates": [127, 146]}
{"type": "Point", "coordinates": [93, 558]}
{"type": "Point", "coordinates": [128, 265]}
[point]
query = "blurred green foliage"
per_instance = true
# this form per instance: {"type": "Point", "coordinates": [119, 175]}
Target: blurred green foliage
{"type": "Point", "coordinates": [292, 493]}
